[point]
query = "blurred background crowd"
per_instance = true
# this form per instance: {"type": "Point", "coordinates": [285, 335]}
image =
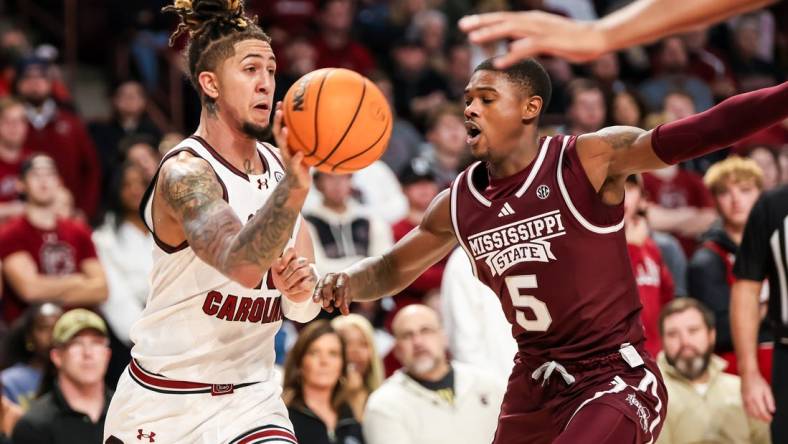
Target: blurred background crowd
{"type": "Point", "coordinates": [92, 96]}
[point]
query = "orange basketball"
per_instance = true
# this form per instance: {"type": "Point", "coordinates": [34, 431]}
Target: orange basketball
{"type": "Point", "coordinates": [338, 118]}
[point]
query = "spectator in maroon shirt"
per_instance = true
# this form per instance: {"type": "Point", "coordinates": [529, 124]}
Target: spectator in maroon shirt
{"type": "Point", "coordinates": [335, 46]}
{"type": "Point", "coordinates": [679, 204]}
{"type": "Point", "coordinates": [60, 134]}
{"type": "Point", "coordinates": [13, 130]}
{"type": "Point", "coordinates": [420, 187]}
{"type": "Point", "coordinates": [655, 284]}
{"type": "Point", "coordinates": [47, 258]}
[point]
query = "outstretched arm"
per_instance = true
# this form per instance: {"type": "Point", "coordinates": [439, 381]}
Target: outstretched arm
{"type": "Point", "coordinates": [536, 32]}
{"type": "Point", "coordinates": [378, 276]}
{"type": "Point", "coordinates": [609, 155]}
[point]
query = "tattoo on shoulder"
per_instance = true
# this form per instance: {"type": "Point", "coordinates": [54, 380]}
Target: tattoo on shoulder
{"type": "Point", "coordinates": [189, 186]}
{"type": "Point", "coordinates": [211, 226]}
{"type": "Point", "coordinates": [621, 137]}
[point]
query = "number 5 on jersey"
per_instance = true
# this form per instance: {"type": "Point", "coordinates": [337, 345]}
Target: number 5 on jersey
{"type": "Point", "coordinates": [543, 320]}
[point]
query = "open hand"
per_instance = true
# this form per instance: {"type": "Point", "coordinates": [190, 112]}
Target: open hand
{"type": "Point", "coordinates": [535, 33]}
{"type": "Point", "coordinates": [757, 396]}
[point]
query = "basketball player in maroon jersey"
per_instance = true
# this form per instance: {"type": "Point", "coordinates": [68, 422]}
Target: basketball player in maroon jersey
{"type": "Point", "coordinates": [541, 220]}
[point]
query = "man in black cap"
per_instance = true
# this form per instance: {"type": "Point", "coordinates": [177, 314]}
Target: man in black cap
{"type": "Point", "coordinates": [73, 411]}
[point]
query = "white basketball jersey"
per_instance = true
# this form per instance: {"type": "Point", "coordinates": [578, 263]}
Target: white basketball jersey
{"type": "Point", "coordinates": [198, 325]}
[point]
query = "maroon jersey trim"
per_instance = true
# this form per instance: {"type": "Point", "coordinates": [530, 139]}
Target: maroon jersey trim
{"type": "Point", "coordinates": [482, 200]}
{"type": "Point", "coordinates": [579, 217]}
{"type": "Point", "coordinates": [453, 207]}
{"type": "Point", "coordinates": [536, 168]}
{"type": "Point", "coordinates": [226, 163]}
{"type": "Point", "coordinates": [274, 155]}
{"type": "Point", "coordinates": [520, 192]}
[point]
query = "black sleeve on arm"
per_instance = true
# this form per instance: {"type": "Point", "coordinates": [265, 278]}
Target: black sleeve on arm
{"type": "Point", "coordinates": [753, 257]}
{"type": "Point", "coordinates": [708, 283]}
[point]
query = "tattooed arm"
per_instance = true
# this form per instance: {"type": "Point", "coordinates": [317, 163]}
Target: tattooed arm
{"type": "Point", "coordinates": [378, 276]}
{"type": "Point", "coordinates": [243, 253]}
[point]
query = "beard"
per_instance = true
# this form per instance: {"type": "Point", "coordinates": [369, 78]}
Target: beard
{"type": "Point", "coordinates": [690, 368]}
{"type": "Point", "coordinates": [423, 364]}
{"type": "Point", "coordinates": [257, 132]}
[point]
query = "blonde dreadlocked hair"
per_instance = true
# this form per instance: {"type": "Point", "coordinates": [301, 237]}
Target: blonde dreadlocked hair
{"type": "Point", "coordinates": [213, 27]}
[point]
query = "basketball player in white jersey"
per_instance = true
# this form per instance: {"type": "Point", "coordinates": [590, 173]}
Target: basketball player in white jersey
{"type": "Point", "coordinates": [222, 209]}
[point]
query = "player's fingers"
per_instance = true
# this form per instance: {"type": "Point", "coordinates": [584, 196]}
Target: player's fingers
{"type": "Point", "coordinates": [296, 264]}
{"type": "Point", "coordinates": [316, 292]}
{"type": "Point", "coordinates": [500, 31]}
{"type": "Point", "coordinates": [339, 285]}
{"type": "Point", "coordinates": [327, 292]}
{"type": "Point", "coordinates": [342, 294]}
{"type": "Point", "coordinates": [296, 279]}
{"type": "Point", "coordinates": [476, 21]}
{"type": "Point", "coordinates": [518, 50]}
{"type": "Point", "coordinates": [285, 259]}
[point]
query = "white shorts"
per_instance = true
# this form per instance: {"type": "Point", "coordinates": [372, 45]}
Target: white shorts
{"type": "Point", "coordinates": [148, 408]}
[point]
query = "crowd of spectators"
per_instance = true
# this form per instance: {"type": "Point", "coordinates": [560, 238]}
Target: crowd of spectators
{"type": "Point", "coordinates": [438, 354]}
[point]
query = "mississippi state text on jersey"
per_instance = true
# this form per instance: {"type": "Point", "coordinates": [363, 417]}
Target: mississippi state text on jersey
{"type": "Point", "coordinates": [554, 253]}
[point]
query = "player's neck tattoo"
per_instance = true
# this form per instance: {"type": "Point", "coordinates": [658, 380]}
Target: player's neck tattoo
{"type": "Point", "coordinates": [211, 106]}
{"type": "Point", "coordinates": [248, 166]}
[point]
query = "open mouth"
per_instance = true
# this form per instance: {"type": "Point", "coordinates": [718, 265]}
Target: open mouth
{"type": "Point", "coordinates": [474, 132]}
{"type": "Point", "coordinates": [262, 106]}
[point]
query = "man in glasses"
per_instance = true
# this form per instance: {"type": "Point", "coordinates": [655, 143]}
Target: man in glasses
{"type": "Point", "coordinates": [74, 409]}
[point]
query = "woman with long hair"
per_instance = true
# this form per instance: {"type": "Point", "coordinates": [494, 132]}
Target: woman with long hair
{"type": "Point", "coordinates": [314, 388]}
{"type": "Point", "coordinates": [364, 366]}
{"type": "Point", "coordinates": [124, 246]}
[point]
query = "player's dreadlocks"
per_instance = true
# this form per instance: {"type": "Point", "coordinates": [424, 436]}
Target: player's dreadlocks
{"type": "Point", "coordinates": [214, 27]}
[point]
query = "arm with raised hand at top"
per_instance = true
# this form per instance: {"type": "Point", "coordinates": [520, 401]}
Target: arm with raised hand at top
{"type": "Point", "coordinates": [245, 252]}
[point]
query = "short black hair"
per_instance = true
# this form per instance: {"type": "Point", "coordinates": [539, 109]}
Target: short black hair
{"type": "Point", "coordinates": [528, 73]}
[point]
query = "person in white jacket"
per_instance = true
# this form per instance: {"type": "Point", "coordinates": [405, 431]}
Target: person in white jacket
{"type": "Point", "coordinates": [478, 332]}
{"type": "Point", "coordinates": [431, 400]}
{"type": "Point", "coordinates": [344, 231]}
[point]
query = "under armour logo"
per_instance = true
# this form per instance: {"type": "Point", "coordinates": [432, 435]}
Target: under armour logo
{"type": "Point", "coordinates": [542, 192]}
{"type": "Point", "coordinates": [261, 183]}
{"type": "Point", "coordinates": [141, 435]}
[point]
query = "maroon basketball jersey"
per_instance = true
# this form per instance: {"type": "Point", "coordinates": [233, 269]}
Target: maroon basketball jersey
{"type": "Point", "coordinates": [555, 254]}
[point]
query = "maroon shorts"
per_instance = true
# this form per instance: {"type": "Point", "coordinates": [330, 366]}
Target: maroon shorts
{"type": "Point", "coordinates": [609, 402]}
